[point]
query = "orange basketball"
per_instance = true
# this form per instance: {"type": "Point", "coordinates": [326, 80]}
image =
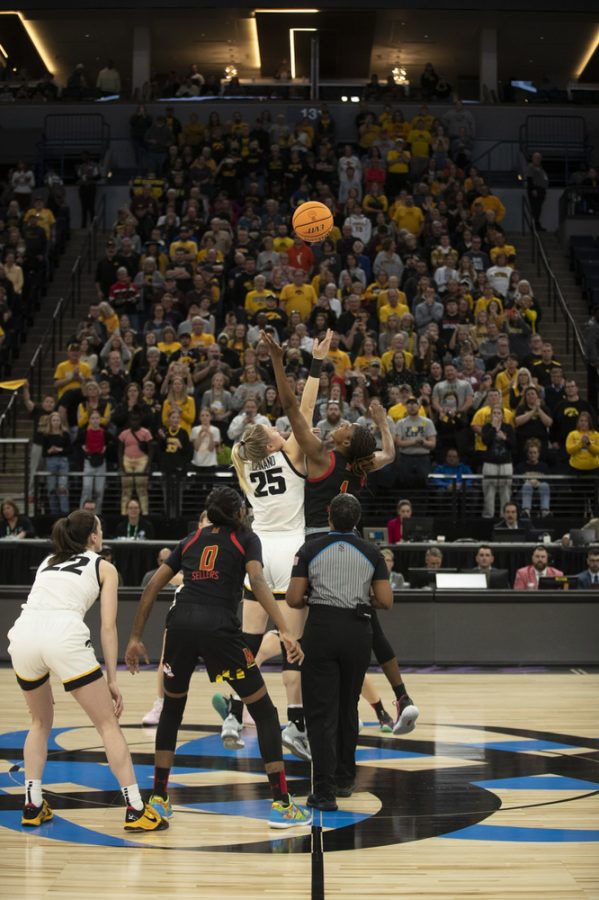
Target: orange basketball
{"type": "Point", "coordinates": [312, 221]}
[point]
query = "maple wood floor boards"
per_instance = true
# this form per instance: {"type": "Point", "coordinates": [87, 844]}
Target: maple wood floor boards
{"type": "Point", "coordinates": [494, 795]}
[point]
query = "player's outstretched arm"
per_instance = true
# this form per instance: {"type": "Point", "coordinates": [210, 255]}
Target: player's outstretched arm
{"type": "Point", "coordinates": [387, 454]}
{"type": "Point", "coordinates": [308, 442]}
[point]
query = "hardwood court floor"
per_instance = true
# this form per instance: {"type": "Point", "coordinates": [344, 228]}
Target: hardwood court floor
{"type": "Point", "coordinates": [495, 795]}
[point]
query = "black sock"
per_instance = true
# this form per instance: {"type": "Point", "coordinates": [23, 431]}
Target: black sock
{"type": "Point", "coordinates": [295, 714]}
{"type": "Point", "coordinates": [278, 786]}
{"type": "Point", "coordinates": [236, 708]}
{"type": "Point", "coordinates": [378, 708]}
{"type": "Point", "coordinates": [399, 690]}
{"type": "Point", "coordinates": [161, 782]}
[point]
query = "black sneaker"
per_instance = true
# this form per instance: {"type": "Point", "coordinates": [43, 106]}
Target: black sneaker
{"type": "Point", "coordinates": [345, 791]}
{"type": "Point", "coordinates": [320, 801]}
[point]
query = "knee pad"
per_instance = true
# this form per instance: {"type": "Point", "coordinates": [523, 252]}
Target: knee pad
{"type": "Point", "coordinates": [170, 722]}
{"type": "Point", "coordinates": [262, 709]}
{"type": "Point", "coordinates": [288, 666]}
{"type": "Point", "coordinates": [253, 641]}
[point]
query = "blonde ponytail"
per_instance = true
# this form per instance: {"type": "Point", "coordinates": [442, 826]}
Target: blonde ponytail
{"type": "Point", "coordinates": [252, 447]}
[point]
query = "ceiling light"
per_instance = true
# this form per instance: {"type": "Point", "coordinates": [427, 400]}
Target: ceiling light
{"type": "Point", "coordinates": [593, 44]}
{"type": "Point", "coordinates": [230, 72]}
{"type": "Point", "coordinates": [34, 37]}
{"type": "Point", "coordinates": [400, 74]}
{"type": "Point", "coordinates": [292, 46]}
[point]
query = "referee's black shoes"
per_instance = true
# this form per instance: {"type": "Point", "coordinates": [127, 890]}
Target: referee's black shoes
{"type": "Point", "coordinates": [345, 791]}
{"type": "Point", "coordinates": [323, 802]}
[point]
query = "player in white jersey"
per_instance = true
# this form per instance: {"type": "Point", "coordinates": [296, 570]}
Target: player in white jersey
{"type": "Point", "coordinates": [51, 636]}
{"type": "Point", "coordinates": [271, 472]}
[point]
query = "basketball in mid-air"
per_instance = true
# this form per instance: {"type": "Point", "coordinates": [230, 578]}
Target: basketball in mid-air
{"type": "Point", "coordinates": [312, 221]}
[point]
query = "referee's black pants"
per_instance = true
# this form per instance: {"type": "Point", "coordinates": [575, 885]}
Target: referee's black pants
{"type": "Point", "coordinates": [337, 646]}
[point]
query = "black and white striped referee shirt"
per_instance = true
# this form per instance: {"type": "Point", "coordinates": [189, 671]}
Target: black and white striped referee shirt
{"type": "Point", "coordinates": [340, 568]}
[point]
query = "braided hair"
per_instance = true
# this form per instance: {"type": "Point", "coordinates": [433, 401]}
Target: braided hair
{"type": "Point", "coordinates": [223, 507]}
{"type": "Point", "coordinates": [361, 451]}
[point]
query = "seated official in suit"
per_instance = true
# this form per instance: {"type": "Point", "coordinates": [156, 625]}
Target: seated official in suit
{"type": "Point", "coordinates": [589, 579]}
{"type": "Point", "coordinates": [497, 579]}
{"type": "Point", "coordinates": [511, 519]}
{"type": "Point", "coordinates": [527, 578]}
{"type": "Point", "coordinates": [484, 560]}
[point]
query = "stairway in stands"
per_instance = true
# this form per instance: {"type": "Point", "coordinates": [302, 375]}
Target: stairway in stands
{"type": "Point", "coordinates": [12, 475]}
{"type": "Point", "coordinates": [554, 331]}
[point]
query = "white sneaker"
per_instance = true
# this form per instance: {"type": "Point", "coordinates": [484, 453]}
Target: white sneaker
{"type": "Point", "coordinates": [407, 713]}
{"type": "Point", "coordinates": [231, 734]}
{"type": "Point", "coordinates": [296, 741]}
{"type": "Point", "coordinates": [153, 716]}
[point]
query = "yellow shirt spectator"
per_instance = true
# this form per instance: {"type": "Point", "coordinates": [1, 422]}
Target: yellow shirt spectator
{"type": "Point", "coordinates": [494, 203]}
{"type": "Point", "coordinates": [167, 349]}
{"type": "Point", "coordinates": [362, 362]}
{"type": "Point", "coordinates": [385, 311]}
{"type": "Point", "coordinates": [503, 383]}
{"type": "Point", "coordinates": [399, 411]}
{"type": "Point", "coordinates": [398, 160]}
{"type": "Point", "coordinates": [420, 142]}
{"type": "Point", "coordinates": [187, 409]}
{"type": "Point", "coordinates": [190, 248]}
{"type": "Point", "coordinates": [64, 369]}
{"type": "Point", "coordinates": [300, 297]}
{"type": "Point", "coordinates": [201, 340]}
{"type": "Point", "coordinates": [340, 360]}
{"type": "Point", "coordinates": [43, 217]}
{"type": "Point", "coordinates": [508, 249]}
{"type": "Point", "coordinates": [255, 301]}
{"type": "Point", "coordinates": [387, 359]}
{"type": "Point", "coordinates": [409, 217]}
{"type": "Point", "coordinates": [583, 457]}
{"type": "Point", "coordinates": [282, 244]}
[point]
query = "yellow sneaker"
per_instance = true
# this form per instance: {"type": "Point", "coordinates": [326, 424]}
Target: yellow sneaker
{"type": "Point", "coordinates": [36, 815]}
{"type": "Point", "coordinates": [146, 819]}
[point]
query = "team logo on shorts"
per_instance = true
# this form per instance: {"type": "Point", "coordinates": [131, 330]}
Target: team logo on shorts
{"type": "Point", "coordinates": [249, 657]}
{"type": "Point", "coordinates": [167, 670]}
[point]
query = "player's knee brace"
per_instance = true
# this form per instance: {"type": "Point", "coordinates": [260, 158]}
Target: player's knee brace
{"type": "Point", "coordinates": [288, 666]}
{"type": "Point", "coordinates": [266, 717]}
{"type": "Point", "coordinates": [170, 722]}
{"type": "Point", "coordinates": [253, 641]}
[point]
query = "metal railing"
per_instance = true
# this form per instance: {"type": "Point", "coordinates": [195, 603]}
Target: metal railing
{"type": "Point", "coordinates": [555, 298]}
{"type": "Point", "coordinates": [51, 342]}
{"type": "Point", "coordinates": [9, 482]}
{"type": "Point", "coordinates": [579, 201]}
{"type": "Point", "coordinates": [174, 497]}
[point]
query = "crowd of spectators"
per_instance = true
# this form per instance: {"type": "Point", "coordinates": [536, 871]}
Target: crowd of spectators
{"type": "Point", "coordinates": [34, 228]}
{"type": "Point", "coordinates": [417, 280]}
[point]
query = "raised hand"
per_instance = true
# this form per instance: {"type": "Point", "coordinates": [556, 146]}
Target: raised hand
{"type": "Point", "coordinates": [275, 350]}
{"type": "Point", "coordinates": [321, 348]}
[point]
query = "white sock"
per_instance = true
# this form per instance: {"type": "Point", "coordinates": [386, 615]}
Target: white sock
{"type": "Point", "coordinates": [33, 791]}
{"type": "Point", "coordinates": [133, 797]}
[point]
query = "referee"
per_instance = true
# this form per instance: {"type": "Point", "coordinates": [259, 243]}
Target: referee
{"type": "Point", "coordinates": [342, 577]}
